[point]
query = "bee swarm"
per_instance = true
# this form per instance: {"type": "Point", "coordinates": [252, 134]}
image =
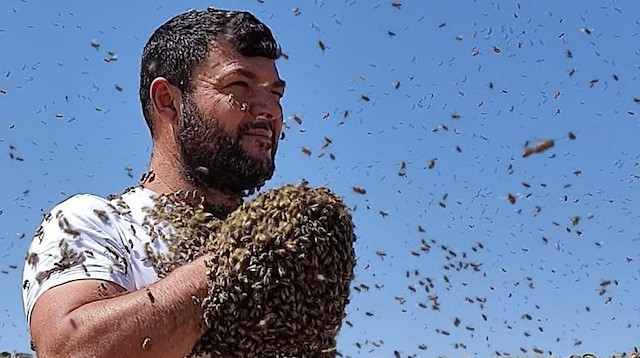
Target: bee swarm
{"type": "Point", "coordinates": [279, 275]}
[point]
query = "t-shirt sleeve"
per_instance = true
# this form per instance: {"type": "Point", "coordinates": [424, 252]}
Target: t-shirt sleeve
{"type": "Point", "coordinates": [77, 240]}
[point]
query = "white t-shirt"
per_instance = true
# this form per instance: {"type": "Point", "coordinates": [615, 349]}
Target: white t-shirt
{"type": "Point", "coordinates": [102, 240]}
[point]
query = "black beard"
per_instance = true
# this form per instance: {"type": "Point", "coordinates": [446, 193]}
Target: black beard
{"type": "Point", "coordinates": [214, 159]}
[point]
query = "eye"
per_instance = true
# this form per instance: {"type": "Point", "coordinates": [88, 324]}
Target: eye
{"type": "Point", "coordinates": [278, 94]}
{"type": "Point", "coordinates": [238, 83]}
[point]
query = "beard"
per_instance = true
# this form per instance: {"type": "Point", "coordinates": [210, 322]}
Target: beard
{"type": "Point", "coordinates": [213, 158]}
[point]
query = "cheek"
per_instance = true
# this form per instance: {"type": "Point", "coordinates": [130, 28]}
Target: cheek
{"type": "Point", "coordinates": [226, 109]}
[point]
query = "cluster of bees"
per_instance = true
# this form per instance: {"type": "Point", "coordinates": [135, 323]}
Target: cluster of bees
{"type": "Point", "coordinates": [280, 270]}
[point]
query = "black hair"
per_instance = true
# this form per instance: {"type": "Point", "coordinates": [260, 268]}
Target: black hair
{"type": "Point", "coordinates": [177, 47]}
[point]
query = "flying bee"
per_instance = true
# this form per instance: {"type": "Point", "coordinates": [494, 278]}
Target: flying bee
{"type": "Point", "coordinates": [359, 190]}
{"type": "Point", "coordinates": [539, 148]}
{"type": "Point", "coordinates": [322, 45]}
{"type": "Point", "coordinates": [327, 142]}
{"type": "Point", "coordinates": [297, 119]}
{"type": "Point", "coordinates": [306, 151]}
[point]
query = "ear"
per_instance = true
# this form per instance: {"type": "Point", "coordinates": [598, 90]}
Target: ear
{"type": "Point", "coordinates": [166, 100]}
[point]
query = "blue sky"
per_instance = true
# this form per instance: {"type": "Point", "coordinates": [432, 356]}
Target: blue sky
{"type": "Point", "coordinates": [477, 81]}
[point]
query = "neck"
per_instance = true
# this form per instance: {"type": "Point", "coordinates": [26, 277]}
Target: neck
{"type": "Point", "coordinates": [166, 176]}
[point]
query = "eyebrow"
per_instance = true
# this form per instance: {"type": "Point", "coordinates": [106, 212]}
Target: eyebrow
{"type": "Point", "coordinates": [250, 75]}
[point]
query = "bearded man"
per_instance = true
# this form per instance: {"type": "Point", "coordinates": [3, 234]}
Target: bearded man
{"type": "Point", "coordinates": [210, 94]}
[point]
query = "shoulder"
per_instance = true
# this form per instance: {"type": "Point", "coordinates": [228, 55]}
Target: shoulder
{"type": "Point", "coordinates": [80, 238]}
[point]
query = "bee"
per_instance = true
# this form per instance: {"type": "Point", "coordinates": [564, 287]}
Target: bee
{"type": "Point", "coordinates": [359, 190]}
{"type": "Point", "coordinates": [397, 5]}
{"type": "Point", "coordinates": [538, 350]}
{"type": "Point", "coordinates": [32, 258]}
{"type": "Point", "coordinates": [306, 151]}
{"type": "Point", "coordinates": [148, 177]}
{"type": "Point", "coordinates": [327, 142]}
{"type": "Point", "coordinates": [365, 98]}
{"type": "Point", "coordinates": [297, 119]}
{"type": "Point", "coordinates": [403, 169]}
{"type": "Point", "coordinates": [539, 148]}
{"type": "Point", "coordinates": [322, 45]}
{"type": "Point", "coordinates": [496, 49]}
{"type": "Point", "coordinates": [102, 215]}
{"type": "Point", "coordinates": [296, 11]}
{"type": "Point", "coordinates": [146, 342]}
{"type": "Point", "coordinates": [118, 88]}
{"type": "Point", "coordinates": [150, 295]}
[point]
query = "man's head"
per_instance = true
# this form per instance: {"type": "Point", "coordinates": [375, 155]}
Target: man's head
{"type": "Point", "coordinates": [209, 85]}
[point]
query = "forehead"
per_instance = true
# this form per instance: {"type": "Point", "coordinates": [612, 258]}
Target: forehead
{"type": "Point", "coordinates": [222, 59]}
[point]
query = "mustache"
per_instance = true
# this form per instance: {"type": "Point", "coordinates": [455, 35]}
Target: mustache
{"type": "Point", "coordinates": [259, 124]}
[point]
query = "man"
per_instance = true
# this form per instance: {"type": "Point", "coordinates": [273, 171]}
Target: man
{"type": "Point", "coordinates": [210, 94]}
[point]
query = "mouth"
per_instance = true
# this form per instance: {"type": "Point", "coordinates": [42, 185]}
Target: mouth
{"type": "Point", "coordinates": [256, 132]}
{"type": "Point", "coordinates": [259, 129]}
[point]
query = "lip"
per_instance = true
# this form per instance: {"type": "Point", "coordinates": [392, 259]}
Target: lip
{"type": "Point", "coordinates": [258, 132]}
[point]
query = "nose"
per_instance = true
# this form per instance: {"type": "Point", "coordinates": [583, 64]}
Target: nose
{"type": "Point", "coordinates": [266, 106]}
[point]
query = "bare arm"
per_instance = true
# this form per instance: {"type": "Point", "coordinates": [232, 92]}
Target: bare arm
{"type": "Point", "coordinates": [93, 318]}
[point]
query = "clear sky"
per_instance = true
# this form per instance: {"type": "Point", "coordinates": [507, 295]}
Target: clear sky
{"type": "Point", "coordinates": [455, 90]}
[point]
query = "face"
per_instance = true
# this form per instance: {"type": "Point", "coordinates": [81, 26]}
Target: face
{"type": "Point", "coordinates": [231, 122]}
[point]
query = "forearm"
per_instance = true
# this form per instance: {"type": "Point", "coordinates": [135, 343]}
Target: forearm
{"type": "Point", "coordinates": [160, 321]}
